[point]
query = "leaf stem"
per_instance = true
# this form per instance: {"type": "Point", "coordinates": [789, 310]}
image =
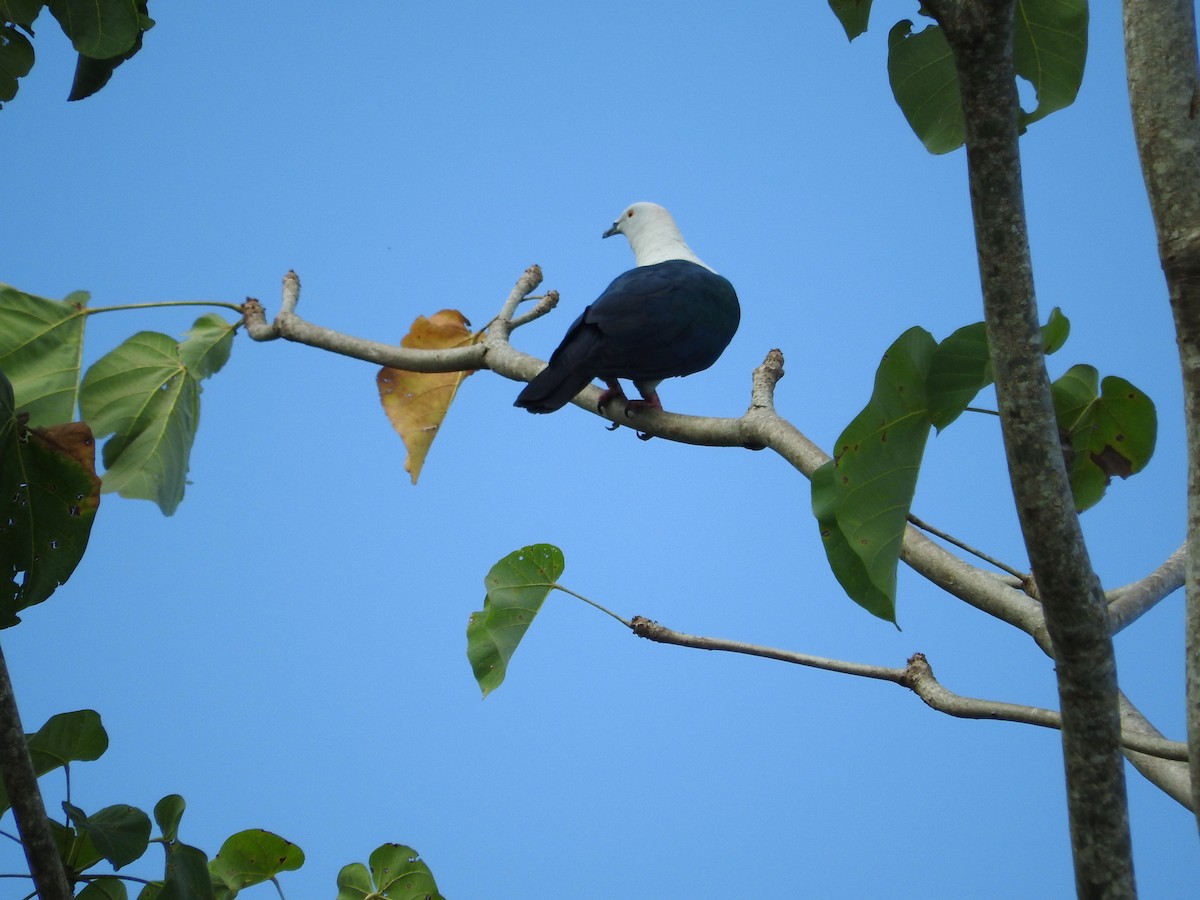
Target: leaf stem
{"type": "Point", "coordinates": [559, 587]}
{"type": "Point", "coordinates": [236, 307]}
{"type": "Point", "coordinates": [986, 412]}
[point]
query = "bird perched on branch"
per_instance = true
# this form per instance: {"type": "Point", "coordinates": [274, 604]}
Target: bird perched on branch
{"type": "Point", "coordinates": [670, 316]}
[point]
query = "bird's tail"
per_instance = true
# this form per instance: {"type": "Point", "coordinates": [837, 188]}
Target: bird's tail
{"type": "Point", "coordinates": [552, 389]}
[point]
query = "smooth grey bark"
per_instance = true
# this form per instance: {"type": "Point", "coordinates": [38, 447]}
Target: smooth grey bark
{"type": "Point", "coordinates": [1164, 97]}
{"type": "Point", "coordinates": [980, 36]}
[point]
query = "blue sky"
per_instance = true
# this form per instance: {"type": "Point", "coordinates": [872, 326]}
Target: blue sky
{"type": "Point", "coordinates": [287, 651]}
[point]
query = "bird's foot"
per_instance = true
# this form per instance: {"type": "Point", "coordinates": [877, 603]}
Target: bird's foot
{"type": "Point", "coordinates": [636, 406]}
{"type": "Point", "coordinates": [614, 392]}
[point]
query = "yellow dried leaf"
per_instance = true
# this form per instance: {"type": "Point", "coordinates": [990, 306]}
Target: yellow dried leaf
{"type": "Point", "coordinates": [417, 402]}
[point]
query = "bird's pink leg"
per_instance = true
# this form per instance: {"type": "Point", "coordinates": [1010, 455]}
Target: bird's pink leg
{"type": "Point", "coordinates": [614, 392]}
{"type": "Point", "coordinates": [649, 401]}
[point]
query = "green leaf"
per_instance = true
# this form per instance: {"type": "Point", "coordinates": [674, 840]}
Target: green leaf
{"type": "Point", "coordinates": [1049, 51]}
{"type": "Point", "coordinates": [167, 813]}
{"type": "Point", "coordinates": [207, 346]}
{"type": "Point", "coordinates": [121, 833]}
{"type": "Point", "coordinates": [867, 495]}
{"type": "Point", "coordinates": [925, 85]}
{"type": "Point", "coordinates": [516, 588]}
{"type": "Point", "coordinates": [1055, 332]}
{"type": "Point", "coordinates": [21, 12]}
{"type": "Point", "coordinates": [187, 876]}
{"type": "Point", "coordinates": [1105, 432]}
{"type": "Point", "coordinates": [92, 74]}
{"type": "Point", "coordinates": [144, 395]}
{"type": "Point", "coordinates": [68, 737]}
{"type": "Point", "coordinates": [98, 28]}
{"type": "Point", "coordinates": [103, 889]}
{"type": "Point", "coordinates": [254, 856]}
{"type": "Point", "coordinates": [49, 493]}
{"type": "Point", "coordinates": [959, 370]}
{"type": "Point", "coordinates": [849, 568]}
{"type": "Point", "coordinates": [853, 15]}
{"type": "Point", "coordinates": [16, 59]}
{"type": "Point", "coordinates": [961, 366]}
{"type": "Point", "coordinates": [397, 873]}
{"type": "Point", "coordinates": [41, 342]}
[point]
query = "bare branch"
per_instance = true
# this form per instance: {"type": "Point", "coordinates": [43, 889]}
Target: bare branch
{"type": "Point", "coordinates": [1126, 604]}
{"type": "Point", "coordinates": [1169, 776]}
{"type": "Point", "coordinates": [917, 676]}
{"type": "Point", "coordinates": [544, 305]}
{"type": "Point", "coordinates": [760, 427]}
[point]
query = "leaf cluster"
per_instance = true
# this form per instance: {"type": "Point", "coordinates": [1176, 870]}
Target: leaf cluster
{"type": "Point", "coordinates": [121, 834]}
{"type": "Point", "coordinates": [144, 396]}
{"type": "Point", "coordinates": [861, 498]}
{"type": "Point", "coordinates": [105, 33]}
{"type": "Point", "coordinates": [1049, 50]}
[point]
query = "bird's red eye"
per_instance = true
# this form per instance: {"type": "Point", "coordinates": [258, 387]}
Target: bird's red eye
{"type": "Point", "coordinates": [629, 214]}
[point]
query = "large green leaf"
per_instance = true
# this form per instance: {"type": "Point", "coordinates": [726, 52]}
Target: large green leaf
{"type": "Point", "coordinates": [961, 366]}
{"type": "Point", "coordinates": [1107, 428]}
{"type": "Point", "coordinates": [48, 498]}
{"type": "Point", "coordinates": [121, 833]}
{"type": "Point", "coordinates": [516, 588]}
{"type": "Point", "coordinates": [866, 495]}
{"type": "Point", "coordinates": [925, 85]}
{"type": "Point", "coordinates": [41, 342]}
{"type": "Point", "coordinates": [252, 857]}
{"type": "Point", "coordinates": [65, 738]}
{"type": "Point", "coordinates": [853, 14]}
{"type": "Point", "coordinates": [98, 28]}
{"type": "Point", "coordinates": [143, 394]}
{"type": "Point", "coordinates": [1049, 51]}
{"type": "Point", "coordinates": [397, 873]}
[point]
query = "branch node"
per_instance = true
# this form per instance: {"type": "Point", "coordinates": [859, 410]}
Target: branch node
{"type": "Point", "coordinates": [291, 293]}
{"type": "Point", "coordinates": [766, 376]}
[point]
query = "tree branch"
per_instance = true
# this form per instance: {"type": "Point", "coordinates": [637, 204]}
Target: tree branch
{"type": "Point", "coordinates": [1164, 95]}
{"type": "Point", "coordinates": [917, 676]}
{"type": "Point", "coordinates": [760, 427]}
{"type": "Point", "coordinates": [20, 781]}
{"type": "Point", "coordinates": [980, 36]}
{"type": "Point", "coordinates": [1127, 604]}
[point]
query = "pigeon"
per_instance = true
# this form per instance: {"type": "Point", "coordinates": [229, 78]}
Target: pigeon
{"type": "Point", "coordinates": [670, 316]}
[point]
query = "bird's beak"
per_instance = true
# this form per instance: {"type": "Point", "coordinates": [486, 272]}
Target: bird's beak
{"type": "Point", "coordinates": [610, 231]}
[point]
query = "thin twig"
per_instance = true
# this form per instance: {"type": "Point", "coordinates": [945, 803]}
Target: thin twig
{"type": "Point", "coordinates": [917, 676]}
{"type": "Point", "coordinates": [962, 545]}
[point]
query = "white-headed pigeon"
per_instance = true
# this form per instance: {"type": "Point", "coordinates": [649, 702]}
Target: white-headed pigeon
{"type": "Point", "coordinates": [670, 316]}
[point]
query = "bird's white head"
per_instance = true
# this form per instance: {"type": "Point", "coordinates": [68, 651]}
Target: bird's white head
{"type": "Point", "coordinates": [653, 235]}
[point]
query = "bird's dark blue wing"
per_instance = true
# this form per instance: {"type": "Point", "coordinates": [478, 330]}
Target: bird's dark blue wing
{"type": "Point", "coordinates": [662, 321]}
{"type": "Point", "coordinates": [654, 322]}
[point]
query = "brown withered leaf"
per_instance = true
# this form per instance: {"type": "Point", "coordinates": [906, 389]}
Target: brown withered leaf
{"type": "Point", "coordinates": [417, 402]}
{"type": "Point", "coordinates": [73, 439]}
